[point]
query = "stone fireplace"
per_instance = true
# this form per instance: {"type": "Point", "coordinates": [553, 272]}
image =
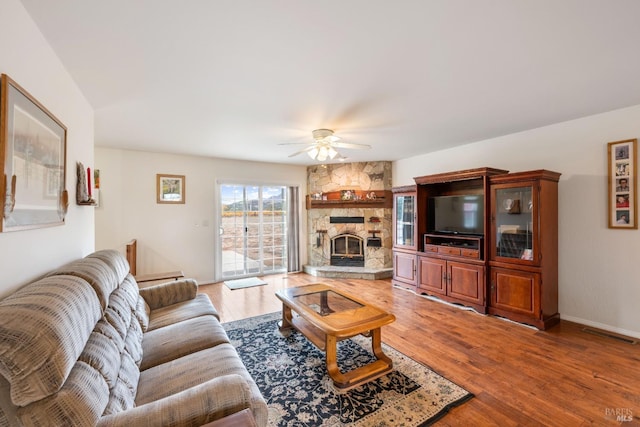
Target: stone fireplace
{"type": "Point", "coordinates": [348, 236]}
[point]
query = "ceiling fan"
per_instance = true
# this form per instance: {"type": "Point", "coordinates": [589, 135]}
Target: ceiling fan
{"type": "Point", "coordinates": [324, 146]}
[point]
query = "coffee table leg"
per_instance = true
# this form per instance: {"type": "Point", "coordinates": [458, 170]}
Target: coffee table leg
{"type": "Point", "coordinates": [376, 346]}
{"type": "Point", "coordinates": [362, 374]}
{"type": "Point", "coordinates": [285, 323]}
{"type": "Point", "coordinates": [331, 351]}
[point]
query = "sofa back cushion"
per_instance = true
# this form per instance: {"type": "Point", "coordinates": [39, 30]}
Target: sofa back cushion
{"type": "Point", "coordinates": [115, 260]}
{"type": "Point", "coordinates": [44, 327]}
{"type": "Point", "coordinates": [95, 272]}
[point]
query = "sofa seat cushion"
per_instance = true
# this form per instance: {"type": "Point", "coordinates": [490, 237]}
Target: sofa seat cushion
{"type": "Point", "coordinates": [179, 339]}
{"type": "Point", "coordinates": [198, 306]}
{"type": "Point", "coordinates": [196, 368]}
{"type": "Point", "coordinates": [212, 400]}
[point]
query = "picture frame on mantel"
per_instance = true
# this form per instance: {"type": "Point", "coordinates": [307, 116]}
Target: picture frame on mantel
{"type": "Point", "coordinates": [623, 184]}
{"type": "Point", "coordinates": [170, 189]}
{"type": "Point", "coordinates": [33, 153]}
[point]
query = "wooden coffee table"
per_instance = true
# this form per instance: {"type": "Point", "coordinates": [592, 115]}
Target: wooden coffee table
{"type": "Point", "coordinates": [327, 315]}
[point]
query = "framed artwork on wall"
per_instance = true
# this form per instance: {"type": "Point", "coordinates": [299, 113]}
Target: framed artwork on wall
{"type": "Point", "coordinates": [623, 202]}
{"type": "Point", "coordinates": [170, 189]}
{"type": "Point", "coordinates": [33, 145]}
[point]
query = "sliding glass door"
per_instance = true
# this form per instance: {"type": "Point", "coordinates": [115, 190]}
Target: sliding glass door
{"type": "Point", "coordinates": [253, 234]}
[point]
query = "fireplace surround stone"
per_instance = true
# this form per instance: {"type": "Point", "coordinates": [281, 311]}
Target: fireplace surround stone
{"type": "Point", "coordinates": [376, 222]}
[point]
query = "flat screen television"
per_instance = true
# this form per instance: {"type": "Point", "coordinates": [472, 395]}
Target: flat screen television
{"type": "Point", "coordinates": [461, 214]}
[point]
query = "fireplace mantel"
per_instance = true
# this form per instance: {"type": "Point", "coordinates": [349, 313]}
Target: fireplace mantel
{"type": "Point", "coordinates": [383, 199]}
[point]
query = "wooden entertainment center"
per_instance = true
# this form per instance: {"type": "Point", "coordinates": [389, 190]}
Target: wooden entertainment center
{"type": "Point", "coordinates": [484, 238]}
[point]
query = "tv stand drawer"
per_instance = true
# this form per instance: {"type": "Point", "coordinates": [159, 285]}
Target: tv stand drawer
{"type": "Point", "coordinates": [431, 248]}
{"type": "Point", "coordinates": [448, 250]}
{"type": "Point", "coordinates": [470, 253]}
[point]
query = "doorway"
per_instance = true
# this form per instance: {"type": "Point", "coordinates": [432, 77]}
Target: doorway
{"type": "Point", "coordinates": [253, 229]}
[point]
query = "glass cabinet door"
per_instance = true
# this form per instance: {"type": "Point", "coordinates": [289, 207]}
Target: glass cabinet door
{"type": "Point", "coordinates": [514, 223]}
{"type": "Point", "coordinates": [405, 220]}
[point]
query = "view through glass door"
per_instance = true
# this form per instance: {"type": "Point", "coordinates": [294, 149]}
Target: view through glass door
{"type": "Point", "coordinates": [253, 237]}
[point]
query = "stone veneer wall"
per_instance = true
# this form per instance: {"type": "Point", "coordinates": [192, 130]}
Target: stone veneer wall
{"type": "Point", "coordinates": [349, 176]}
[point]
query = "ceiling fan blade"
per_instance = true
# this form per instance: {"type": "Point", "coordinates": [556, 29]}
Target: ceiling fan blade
{"type": "Point", "coordinates": [302, 151]}
{"type": "Point", "coordinates": [296, 143]}
{"type": "Point", "coordinates": [350, 145]}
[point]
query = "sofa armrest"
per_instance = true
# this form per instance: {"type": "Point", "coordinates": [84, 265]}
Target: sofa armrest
{"type": "Point", "coordinates": [169, 293]}
{"type": "Point", "coordinates": [198, 405]}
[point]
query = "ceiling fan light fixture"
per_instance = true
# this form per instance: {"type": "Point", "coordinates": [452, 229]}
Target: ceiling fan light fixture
{"type": "Point", "coordinates": [313, 153]}
{"type": "Point", "coordinates": [325, 146]}
{"type": "Point", "coordinates": [320, 134]}
{"type": "Point", "coordinates": [323, 153]}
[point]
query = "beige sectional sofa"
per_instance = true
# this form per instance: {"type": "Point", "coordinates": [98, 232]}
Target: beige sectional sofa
{"type": "Point", "coordinates": [85, 346]}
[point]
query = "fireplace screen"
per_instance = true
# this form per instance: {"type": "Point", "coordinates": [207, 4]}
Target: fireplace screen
{"type": "Point", "coordinates": [347, 249]}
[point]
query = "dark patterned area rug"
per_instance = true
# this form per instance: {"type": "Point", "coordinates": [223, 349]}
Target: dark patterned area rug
{"type": "Point", "coordinates": [292, 376]}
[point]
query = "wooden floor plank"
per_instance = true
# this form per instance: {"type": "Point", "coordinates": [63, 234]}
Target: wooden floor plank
{"type": "Point", "coordinates": [520, 376]}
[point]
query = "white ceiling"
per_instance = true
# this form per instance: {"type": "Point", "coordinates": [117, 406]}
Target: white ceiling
{"type": "Point", "coordinates": [234, 78]}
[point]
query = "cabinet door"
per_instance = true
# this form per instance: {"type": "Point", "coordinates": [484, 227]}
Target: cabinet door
{"type": "Point", "coordinates": [516, 291]}
{"type": "Point", "coordinates": [432, 275]}
{"type": "Point", "coordinates": [514, 214]}
{"type": "Point", "coordinates": [465, 282]}
{"type": "Point", "coordinates": [404, 218]}
{"type": "Point", "coordinates": [404, 267]}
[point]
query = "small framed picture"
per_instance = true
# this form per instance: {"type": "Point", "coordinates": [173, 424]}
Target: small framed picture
{"type": "Point", "coordinates": [170, 189]}
{"type": "Point", "coordinates": [623, 204]}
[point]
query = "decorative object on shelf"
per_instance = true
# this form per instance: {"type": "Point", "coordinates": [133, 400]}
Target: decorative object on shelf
{"type": "Point", "coordinates": [33, 161]}
{"type": "Point", "coordinates": [623, 182]}
{"type": "Point", "coordinates": [511, 206]}
{"type": "Point", "coordinates": [89, 182]}
{"type": "Point", "coordinates": [96, 187]}
{"type": "Point", "coordinates": [347, 195]}
{"type": "Point", "coordinates": [83, 187]}
{"type": "Point", "coordinates": [170, 189]}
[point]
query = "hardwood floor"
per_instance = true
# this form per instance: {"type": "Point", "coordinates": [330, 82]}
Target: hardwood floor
{"type": "Point", "coordinates": [520, 376]}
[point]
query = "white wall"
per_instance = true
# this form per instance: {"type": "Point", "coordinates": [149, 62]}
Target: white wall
{"type": "Point", "coordinates": [28, 59]}
{"type": "Point", "coordinates": [175, 237]}
{"type": "Point", "coordinates": [599, 272]}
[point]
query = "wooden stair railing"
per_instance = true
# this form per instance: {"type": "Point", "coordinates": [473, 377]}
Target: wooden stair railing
{"type": "Point", "coordinates": [132, 255]}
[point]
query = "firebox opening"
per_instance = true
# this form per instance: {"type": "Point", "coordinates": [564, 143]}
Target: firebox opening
{"type": "Point", "coordinates": [347, 250]}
